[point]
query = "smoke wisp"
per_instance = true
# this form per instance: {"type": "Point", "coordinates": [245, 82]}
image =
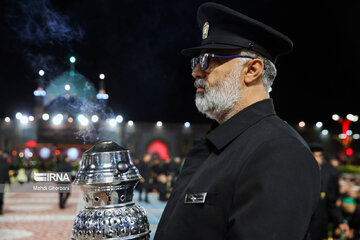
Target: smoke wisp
{"type": "Point", "coordinates": [37, 23]}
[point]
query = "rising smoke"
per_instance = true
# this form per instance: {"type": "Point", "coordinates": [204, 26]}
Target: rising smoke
{"type": "Point", "coordinates": [37, 23]}
{"type": "Point", "coordinates": [44, 32]}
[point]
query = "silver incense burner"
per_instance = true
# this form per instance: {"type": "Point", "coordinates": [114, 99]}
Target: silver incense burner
{"type": "Point", "coordinates": [107, 178]}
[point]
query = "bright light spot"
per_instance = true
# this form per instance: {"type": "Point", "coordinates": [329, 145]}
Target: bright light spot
{"type": "Point", "coordinates": [24, 119]}
{"type": "Point", "coordinates": [14, 153]}
{"type": "Point", "coordinates": [83, 120]}
{"type": "Point", "coordinates": [356, 136]}
{"type": "Point", "coordinates": [112, 122]}
{"type": "Point", "coordinates": [350, 117]}
{"type": "Point", "coordinates": [57, 119]}
{"type": "Point", "coordinates": [21, 154]}
{"type": "Point", "coordinates": [18, 115]}
{"type": "Point", "coordinates": [57, 152]}
{"type": "Point", "coordinates": [45, 116]}
{"type": "Point", "coordinates": [70, 120]}
{"type": "Point", "coordinates": [119, 118]}
{"type": "Point", "coordinates": [30, 154]}
{"type": "Point", "coordinates": [319, 124]}
{"type": "Point", "coordinates": [41, 72]}
{"type": "Point", "coordinates": [102, 76]}
{"type": "Point", "coordinates": [31, 118]}
{"type": "Point", "coordinates": [302, 124]}
{"type": "Point", "coordinates": [73, 154]}
{"type": "Point", "coordinates": [44, 153]}
{"type": "Point", "coordinates": [27, 153]}
{"type": "Point", "coordinates": [325, 132]}
{"type": "Point", "coordinates": [187, 124]}
{"type": "Point", "coordinates": [7, 119]}
{"type": "Point", "coordinates": [103, 96]}
{"type": "Point", "coordinates": [39, 93]}
{"type": "Point", "coordinates": [159, 123]}
{"type": "Point", "coordinates": [67, 87]}
{"type": "Point", "coordinates": [342, 136]}
{"type": "Point", "coordinates": [349, 152]}
{"type": "Point", "coordinates": [270, 89]}
{"type": "Point", "coordinates": [72, 59]}
{"type": "Point", "coordinates": [355, 118]}
{"type": "Point", "coordinates": [130, 123]}
{"type": "Point", "coordinates": [335, 117]}
{"type": "Point", "coordinates": [94, 118]}
{"type": "Point", "coordinates": [349, 132]}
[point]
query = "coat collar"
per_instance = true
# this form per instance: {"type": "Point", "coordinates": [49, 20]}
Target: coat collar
{"type": "Point", "coordinates": [223, 134]}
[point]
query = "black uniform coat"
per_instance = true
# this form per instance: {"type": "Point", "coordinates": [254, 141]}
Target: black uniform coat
{"type": "Point", "coordinates": [261, 182]}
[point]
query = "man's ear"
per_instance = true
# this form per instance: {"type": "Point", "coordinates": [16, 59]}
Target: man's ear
{"type": "Point", "coordinates": [253, 71]}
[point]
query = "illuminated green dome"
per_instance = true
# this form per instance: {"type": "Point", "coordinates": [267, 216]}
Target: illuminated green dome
{"type": "Point", "coordinates": [70, 84]}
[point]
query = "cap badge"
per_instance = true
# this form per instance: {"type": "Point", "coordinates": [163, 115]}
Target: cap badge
{"type": "Point", "coordinates": [205, 30]}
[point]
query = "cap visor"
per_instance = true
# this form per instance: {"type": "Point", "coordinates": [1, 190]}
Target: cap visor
{"type": "Point", "coordinates": [195, 51]}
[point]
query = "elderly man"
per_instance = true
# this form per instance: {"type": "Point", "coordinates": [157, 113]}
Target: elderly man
{"type": "Point", "coordinates": [252, 177]}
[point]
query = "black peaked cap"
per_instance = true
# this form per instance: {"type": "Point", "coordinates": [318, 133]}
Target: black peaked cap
{"type": "Point", "coordinates": [224, 28]}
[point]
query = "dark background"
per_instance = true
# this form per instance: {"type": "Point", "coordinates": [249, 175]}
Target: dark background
{"type": "Point", "coordinates": [137, 45]}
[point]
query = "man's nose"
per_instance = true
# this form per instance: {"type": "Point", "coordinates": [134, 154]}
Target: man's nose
{"type": "Point", "coordinates": [197, 72]}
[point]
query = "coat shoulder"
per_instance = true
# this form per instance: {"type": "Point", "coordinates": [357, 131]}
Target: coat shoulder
{"type": "Point", "coordinates": [273, 141]}
{"type": "Point", "coordinates": [274, 129]}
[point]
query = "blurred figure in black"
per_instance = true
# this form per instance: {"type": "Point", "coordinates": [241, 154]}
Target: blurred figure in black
{"type": "Point", "coordinates": [334, 162]}
{"type": "Point", "coordinates": [144, 183]}
{"type": "Point", "coordinates": [4, 178]}
{"type": "Point", "coordinates": [140, 184]}
{"type": "Point", "coordinates": [162, 171]}
{"type": "Point", "coordinates": [326, 210]}
{"type": "Point", "coordinates": [28, 169]}
{"type": "Point", "coordinates": [156, 166]}
{"type": "Point", "coordinates": [351, 213]}
{"type": "Point", "coordinates": [172, 167]}
{"type": "Point", "coordinates": [172, 170]}
{"type": "Point", "coordinates": [162, 187]}
{"type": "Point", "coordinates": [353, 192]}
{"type": "Point", "coordinates": [63, 165]}
{"type": "Point", "coordinates": [166, 166]}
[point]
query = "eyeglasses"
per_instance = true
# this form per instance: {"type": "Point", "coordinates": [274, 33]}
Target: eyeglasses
{"type": "Point", "coordinates": [204, 59]}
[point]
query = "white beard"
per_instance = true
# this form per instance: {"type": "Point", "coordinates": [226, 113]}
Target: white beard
{"type": "Point", "coordinates": [218, 101]}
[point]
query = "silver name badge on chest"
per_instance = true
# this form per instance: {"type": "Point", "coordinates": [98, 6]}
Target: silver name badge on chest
{"type": "Point", "coordinates": [195, 197]}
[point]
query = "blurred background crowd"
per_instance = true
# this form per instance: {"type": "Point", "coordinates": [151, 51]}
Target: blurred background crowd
{"type": "Point", "coordinates": [338, 212]}
{"type": "Point", "coordinates": [336, 217]}
{"type": "Point", "coordinates": [158, 176]}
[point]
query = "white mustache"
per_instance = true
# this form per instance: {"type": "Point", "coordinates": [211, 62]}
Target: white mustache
{"type": "Point", "coordinates": [199, 82]}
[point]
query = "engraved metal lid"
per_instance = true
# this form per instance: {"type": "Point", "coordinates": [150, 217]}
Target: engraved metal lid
{"type": "Point", "coordinates": [106, 162]}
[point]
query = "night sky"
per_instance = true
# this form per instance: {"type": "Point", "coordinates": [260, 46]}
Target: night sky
{"type": "Point", "coordinates": [137, 45]}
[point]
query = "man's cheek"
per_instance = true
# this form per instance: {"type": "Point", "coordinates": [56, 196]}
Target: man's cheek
{"type": "Point", "coordinates": [211, 81]}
